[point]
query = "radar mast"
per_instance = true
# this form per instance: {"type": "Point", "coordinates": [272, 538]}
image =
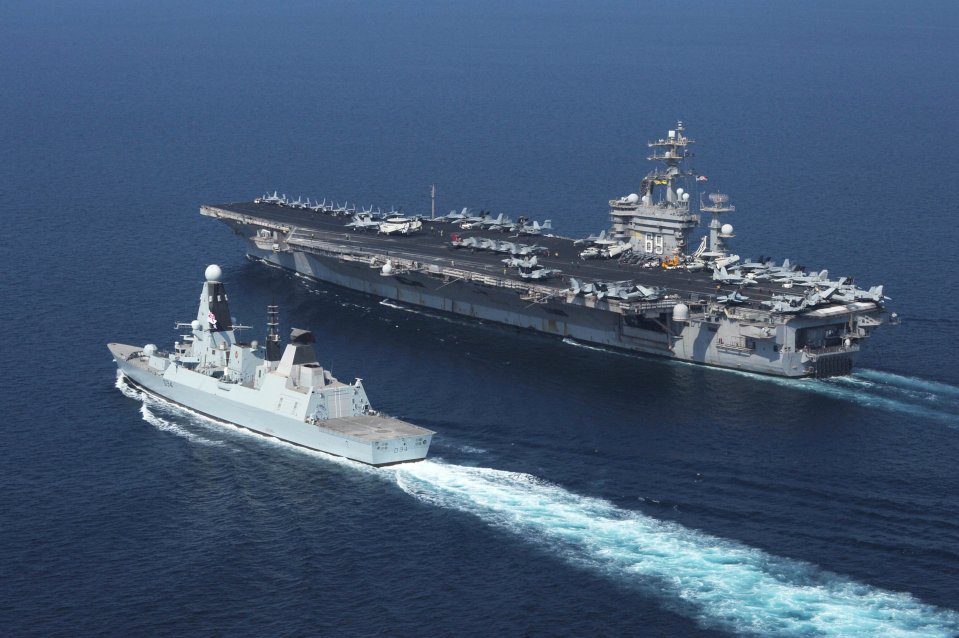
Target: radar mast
{"type": "Point", "coordinates": [718, 232]}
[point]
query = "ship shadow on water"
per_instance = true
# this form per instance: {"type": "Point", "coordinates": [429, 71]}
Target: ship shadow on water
{"type": "Point", "coordinates": [531, 361]}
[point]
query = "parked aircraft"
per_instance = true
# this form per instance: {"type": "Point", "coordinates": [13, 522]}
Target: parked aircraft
{"type": "Point", "coordinates": [364, 221]}
{"type": "Point", "coordinates": [399, 225]}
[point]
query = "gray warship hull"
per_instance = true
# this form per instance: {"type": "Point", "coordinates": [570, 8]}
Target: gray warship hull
{"type": "Point", "coordinates": [634, 287]}
{"type": "Point", "coordinates": [374, 440]}
{"type": "Point", "coordinates": [427, 273]}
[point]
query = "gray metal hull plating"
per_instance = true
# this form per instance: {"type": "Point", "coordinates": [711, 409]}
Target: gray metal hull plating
{"type": "Point", "coordinates": [208, 397]}
{"type": "Point", "coordinates": [717, 344]}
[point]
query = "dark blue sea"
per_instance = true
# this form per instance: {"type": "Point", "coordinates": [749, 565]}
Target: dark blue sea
{"type": "Point", "coordinates": [570, 491]}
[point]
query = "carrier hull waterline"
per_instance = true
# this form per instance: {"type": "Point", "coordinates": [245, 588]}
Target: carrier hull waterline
{"type": "Point", "coordinates": [291, 398]}
{"type": "Point", "coordinates": [698, 307]}
{"type": "Point", "coordinates": [702, 344]}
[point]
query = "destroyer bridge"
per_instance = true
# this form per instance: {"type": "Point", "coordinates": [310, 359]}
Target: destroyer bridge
{"type": "Point", "coordinates": [636, 286]}
{"type": "Point", "coordinates": [290, 397]}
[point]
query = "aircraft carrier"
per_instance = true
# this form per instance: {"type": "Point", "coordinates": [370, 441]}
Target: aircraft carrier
{"type": "Point", "coordinates": [644, 285]}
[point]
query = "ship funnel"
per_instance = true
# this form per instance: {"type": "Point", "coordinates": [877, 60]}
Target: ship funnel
{"type": "Point", "coordinates": [272, 333]}
{"type": "Point", "coordinates": [299, 359]}
{"type": "Point", "coordinates": [301, 347]}
{"type": "Point", "coordinates": [300, 336]}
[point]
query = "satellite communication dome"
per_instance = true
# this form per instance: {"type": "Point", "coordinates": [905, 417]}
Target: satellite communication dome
{"type": "Point", "coordinates": [685, 197]}
{"type": "Point", "coordinates": [195, 324]}
{"type": "Point", "coordinates": [632, 198]}
{"type": "Point", "coordinates": [254, 344]}
{"type": "Point", "coordinates": [680, 312]}
{"type": "Point", "coordinates": [680, 191]}
{"type": "Point", "coordinates": [213, 273]}
{"type": "Point", "coordinates": [387, 268]}
{"type": "Point", "coordinates": [645, 199]}
{"type": "Point", "coordinates": [149, 349]}
{"type": "Point", "coordinates": [727, 229]}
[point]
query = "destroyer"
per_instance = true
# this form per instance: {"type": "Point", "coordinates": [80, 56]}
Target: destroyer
{"type": "Point", "coordinates": [289, 397]}
{"type": "Point", "coordinates": [642, 285]}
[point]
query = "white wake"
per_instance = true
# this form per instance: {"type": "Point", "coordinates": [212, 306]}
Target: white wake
{"type": "Point", "coordinates": [872, 388]}
{"type": "Point", "coordinates": [720, 582]}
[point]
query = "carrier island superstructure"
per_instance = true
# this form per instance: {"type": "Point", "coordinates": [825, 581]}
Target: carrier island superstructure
{"type": "Point", "coordinates": [644, 285]}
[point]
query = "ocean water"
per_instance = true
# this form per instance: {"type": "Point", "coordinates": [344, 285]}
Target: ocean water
{"type": "Point", "coordinates": [570, 491]}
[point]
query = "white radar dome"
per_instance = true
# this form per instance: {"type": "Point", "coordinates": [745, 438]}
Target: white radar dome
{"type": "Point", "coordinates": [680, 191]}
{"type": "Point", "coordinates": [387, 268]}
{"type": "Point", "coordinates": [727, 229]}
{"type": "Point", "coordinates": [149, 349]}
{"type": "Point", "coordinates": [632, 198]}
{"type": "Point", "coordinates": [213, 273]}
{"type": "Point", "coordinates": [195, 324]}
{"type": "Point", "coordinates": [685, 197]}
{"type": "Point", "coordinates": [645, 199]}
{"type": "Point", "coordinates": [680, 312]}
{"type": "Point", "coordinates": [254, 344]}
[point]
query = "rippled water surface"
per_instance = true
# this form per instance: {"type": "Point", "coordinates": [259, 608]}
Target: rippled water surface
{"type": "Point", "coordinates": [570, 490]}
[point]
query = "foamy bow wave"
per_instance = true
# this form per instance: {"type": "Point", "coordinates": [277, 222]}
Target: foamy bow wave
{"type": "Point", "coordinates": [203, 421]}
{"type": "Point", "coordinates": [414, 310]}
{"type": "Point", "coordinates": [152, 418]}
{"type": "Point", "coordinates": [265, 262]}
{"type": "Point", "coordinates": [579, 344]}
{"type": "Point", "coordinates": [168, 426]}
{"type": "Point", "coordinates": [392, 304]}
{"type": "Point", "coordinates": [721, 583]}
{"type": "Point", "coordinates": [127, 390]}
